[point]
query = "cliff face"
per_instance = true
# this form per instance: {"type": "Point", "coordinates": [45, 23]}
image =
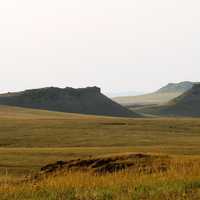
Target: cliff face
{"type": "Point", "coordinates": [83, 100]}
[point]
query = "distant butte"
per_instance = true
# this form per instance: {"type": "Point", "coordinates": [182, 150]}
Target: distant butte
{"type": "Point", "coordinates": [88, 100]}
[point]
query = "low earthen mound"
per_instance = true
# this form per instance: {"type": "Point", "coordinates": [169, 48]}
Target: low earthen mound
{"type": "Point", "coordinates": [137, 162]}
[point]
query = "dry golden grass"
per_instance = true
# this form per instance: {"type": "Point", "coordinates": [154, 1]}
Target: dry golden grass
{"type": "Point", "coordinates": [30, 139]}
{"type": "Point", "coordinates": [180, 182]}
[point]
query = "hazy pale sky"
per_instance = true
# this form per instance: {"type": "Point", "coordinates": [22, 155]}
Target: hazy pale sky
{"type": "Point", "coordinates": [119, 45]}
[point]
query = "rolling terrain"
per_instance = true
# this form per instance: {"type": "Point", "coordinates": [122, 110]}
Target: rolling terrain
{"type": "Point", "coordinates": [162, 96]}
{"type": "Point", "coordinates": [55, 155]}
{"type": "Point", "coordinates": [44, 136]}
{"type": "Point", "coordinates": [84, 100]}
{"type": "Point", "coordinates": [186, 105]}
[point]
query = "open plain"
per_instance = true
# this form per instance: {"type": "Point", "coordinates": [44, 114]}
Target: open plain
{"type": "Point", "coordinates": [31, 139]}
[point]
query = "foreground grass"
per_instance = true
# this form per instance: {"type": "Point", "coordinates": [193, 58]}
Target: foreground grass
{"type": "Point", "coordinates": [180, 182]}
{"type": "Point", "coordinates": [30, 139]}
{"type": "Point", "coordinates": [23, 161]}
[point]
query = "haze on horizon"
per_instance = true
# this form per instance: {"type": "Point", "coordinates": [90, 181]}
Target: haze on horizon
{"type": "Point", "coordinates": [120, 46]}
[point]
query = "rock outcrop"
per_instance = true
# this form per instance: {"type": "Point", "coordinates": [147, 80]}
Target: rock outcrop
{"type": "Point", "coordinates": [88, 100]}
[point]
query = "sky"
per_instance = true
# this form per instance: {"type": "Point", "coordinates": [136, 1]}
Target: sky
{"type": "Point", "coordinates": [118, 45]}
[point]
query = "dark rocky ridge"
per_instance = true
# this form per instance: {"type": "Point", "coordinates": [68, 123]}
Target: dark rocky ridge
{"type": "Point", "coordinates": [83, 100]}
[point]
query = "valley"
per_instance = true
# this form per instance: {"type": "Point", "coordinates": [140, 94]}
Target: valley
{"type": "Point", "coordinates": [57, 155]}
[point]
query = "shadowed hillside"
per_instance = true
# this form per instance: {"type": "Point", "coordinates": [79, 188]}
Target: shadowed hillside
{"type": "Point", "coordinates": [84, 100]}
{"type": "Point", "coordinates": [187, 104]}
{"type": "Point", "coordinates": [162, 96]}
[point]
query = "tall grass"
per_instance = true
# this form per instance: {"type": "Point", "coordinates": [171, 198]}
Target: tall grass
{"type": "Point", "coordinates": [180, 182]}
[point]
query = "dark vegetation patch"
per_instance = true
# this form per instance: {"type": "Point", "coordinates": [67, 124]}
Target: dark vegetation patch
{"type": "Point", "coordinates": [136, 162]}
{"type": "Point", "coordinates": [114, 124]}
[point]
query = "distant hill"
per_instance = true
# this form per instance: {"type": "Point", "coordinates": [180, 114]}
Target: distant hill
{"type": "Point", "coordinates": [187, 104]}
{"type": "Point", "coordinates": [84, 100]}
{"type": "Point", "coordinates": [161, 96]}
{"type": "Point", "coordinates": [176, 87]}
{"type": "Point", "coordinates": [122, 94]}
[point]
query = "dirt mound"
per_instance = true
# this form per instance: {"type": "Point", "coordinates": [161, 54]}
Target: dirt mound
{"type": "Point", "coordinates": [110, 164]}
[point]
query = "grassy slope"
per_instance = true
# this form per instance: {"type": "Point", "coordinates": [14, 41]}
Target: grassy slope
{"type": "Point", "coordinates": [30, 139]}
{"type": "Point", "coordinates": [48, 129]}
{"type": "Point", "coordinates": [162, 96]}
{"type": "Point", "coordinates": [185, 105]}
{"type": "Point", "coordinates": [170, 110]}
{"type": "Point", "coordinates": [154, 98]}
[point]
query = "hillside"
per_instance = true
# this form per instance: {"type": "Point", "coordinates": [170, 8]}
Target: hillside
{"type": "Point", "coordinates": [176, 87]}
{"type": "Point", "coordinates": [161, 96]}
{"type": "Point", "coordinates": [84, 100]}
{"type": "Point", "coordinates": [187, 104]}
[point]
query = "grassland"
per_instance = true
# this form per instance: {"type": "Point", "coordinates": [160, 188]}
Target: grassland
{"type": "Point", "coordinates": [180, 182]}
{"type": "Point", "coordinates": [41, 129]}
{"type": "Point", "coordinates": [30, 139]}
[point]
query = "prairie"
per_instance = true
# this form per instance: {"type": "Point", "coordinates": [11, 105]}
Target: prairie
{"type": "Point", "coordinates": [31, 139]}
{"type": "Point", "coordinates": [180, 181]}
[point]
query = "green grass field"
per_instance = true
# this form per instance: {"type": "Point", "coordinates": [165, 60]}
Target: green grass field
{"type": "Point", "coordinates": [30, 139]}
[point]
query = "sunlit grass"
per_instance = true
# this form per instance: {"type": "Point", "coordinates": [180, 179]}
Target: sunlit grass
{"type": "Point", "coordinates": [31, 139]}
{"type": "Point", "coordinates": [180, 182]}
